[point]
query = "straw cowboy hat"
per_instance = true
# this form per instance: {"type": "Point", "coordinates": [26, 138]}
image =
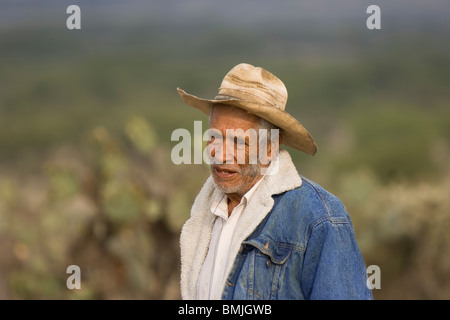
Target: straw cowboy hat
{"type": "Point", "coordinates": [261, 93]}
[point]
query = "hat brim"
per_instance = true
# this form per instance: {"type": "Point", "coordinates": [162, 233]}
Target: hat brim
{"type": "Point", "coordinates": [293, 133]}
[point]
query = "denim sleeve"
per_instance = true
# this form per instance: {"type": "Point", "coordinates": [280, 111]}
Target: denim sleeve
{"type": "Point", "coordinates": [333, 265]}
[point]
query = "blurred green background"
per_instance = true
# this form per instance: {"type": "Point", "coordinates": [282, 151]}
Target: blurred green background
{"type": "Point", "coordinates": [86, 118]}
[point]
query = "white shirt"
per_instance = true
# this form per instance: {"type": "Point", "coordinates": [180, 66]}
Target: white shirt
{"type": "Point", "coordinates": [213, 270]}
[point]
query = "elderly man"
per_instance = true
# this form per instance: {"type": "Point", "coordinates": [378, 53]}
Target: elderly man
{"type": "Point", "coordinates": [260, 230]}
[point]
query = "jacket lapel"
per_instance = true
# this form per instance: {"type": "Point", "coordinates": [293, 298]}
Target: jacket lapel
{"type": "Point", "coordinates": [194, 240]}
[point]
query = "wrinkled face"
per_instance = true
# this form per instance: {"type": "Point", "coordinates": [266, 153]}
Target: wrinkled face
{"type": "Point", "coordinates": [235, 175]}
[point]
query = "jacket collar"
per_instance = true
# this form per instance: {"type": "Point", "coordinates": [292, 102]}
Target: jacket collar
{"type": "Point", "coordinates": [196, 232]}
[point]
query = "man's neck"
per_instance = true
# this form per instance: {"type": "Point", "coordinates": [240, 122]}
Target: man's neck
{"type": "Point", "coordinates": [233, 201]}
{"type": "Point", "coordinates": [235, 198]}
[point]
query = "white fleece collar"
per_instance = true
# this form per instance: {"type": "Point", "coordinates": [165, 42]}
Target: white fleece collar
{"type": "Point", "coordinates": [196, 232]}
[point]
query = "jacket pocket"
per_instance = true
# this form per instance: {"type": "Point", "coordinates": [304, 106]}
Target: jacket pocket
{"type": "Point", "coordinates": [267, 261]}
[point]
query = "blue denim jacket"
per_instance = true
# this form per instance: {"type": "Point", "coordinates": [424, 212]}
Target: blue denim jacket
{"type": "Point", "coordinates": [294, 240]}
{"type": "Point", "coordinates": [305, 248]}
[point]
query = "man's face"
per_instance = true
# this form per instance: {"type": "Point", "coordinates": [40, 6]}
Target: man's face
{"type": "Point", "coordinates": [233, 176]}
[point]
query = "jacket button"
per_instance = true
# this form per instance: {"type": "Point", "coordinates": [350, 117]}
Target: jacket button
{"type": "Point", "coordinates": [268, 263]}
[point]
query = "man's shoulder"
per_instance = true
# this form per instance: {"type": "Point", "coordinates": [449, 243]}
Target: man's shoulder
{"type": "Point", "coordinates": [299, 211]}
{"type": "Point", "coordinates": [311, 200]}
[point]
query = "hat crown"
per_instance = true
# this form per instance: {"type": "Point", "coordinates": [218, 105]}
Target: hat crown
{"type": "Point", "coordinates": [254, 84]}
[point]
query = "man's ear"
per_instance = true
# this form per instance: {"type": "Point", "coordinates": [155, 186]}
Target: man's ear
{"type": "Point", "coordinates": [273, 146]}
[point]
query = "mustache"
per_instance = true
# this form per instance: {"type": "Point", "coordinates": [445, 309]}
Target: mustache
{"type": "Point", "coordinates": [225, 167]}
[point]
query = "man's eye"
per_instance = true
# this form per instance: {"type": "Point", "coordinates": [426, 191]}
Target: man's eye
{"type": "Point", "coordinates": [214, 140]}
{"type": "Point", "coordinates": [239, 143]}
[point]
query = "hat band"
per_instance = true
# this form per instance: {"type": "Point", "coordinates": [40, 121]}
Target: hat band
{"type": "Point", "coordinates": [226, 97]}
{"type": "Point", "coordinates": [240, 92]}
